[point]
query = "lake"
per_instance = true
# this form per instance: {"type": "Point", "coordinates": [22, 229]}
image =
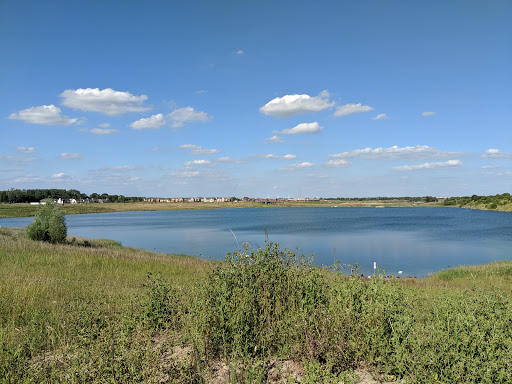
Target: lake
{"type": "Point", "coordinates": [415, 240]}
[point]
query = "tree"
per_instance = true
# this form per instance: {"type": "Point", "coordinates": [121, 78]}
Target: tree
{"type": "Point", "coordinates": [49, 224]}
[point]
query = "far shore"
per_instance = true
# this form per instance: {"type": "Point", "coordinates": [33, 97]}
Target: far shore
{"type": "Point", "coordinates": [28, 210]}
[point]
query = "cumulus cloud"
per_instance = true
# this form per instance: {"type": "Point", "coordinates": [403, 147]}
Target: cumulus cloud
{"type": "Point", "coordinates": [290, 105]}
{"type": "Point", "coordinates": [198, 162]}
{"type": "Point", "coordinates": [337, 163]}
{"type": "Point", "coordinates": [303, 165]}
{"type": "Point", "coordinates": [26, 150]}
{"type": "Point", "coordinates": [493, 153]}
{"type": "Point", "coordinates": [381, 116]}
{"type": "Point", "coordinates": [101, 131]}
{"type": "Point", "coordinates": [490, 166]}
{"type": "Point", "coordinates": [419, 152]}
{"type": "Point", "coordinates": [427, 113]}
{"type": "Point", "coordinates": [106, 101]}
{"type": "Point", "coordinates": [153, 122]}
{"type": "Point", "coordinates": [61, 176]}
{"type": "Point", "coordinates": [187, 115]}
{"type": "Point", "coordinates": [18, 160]}
{"type": "Point", "coordinates": [70, 156]}
{"type": "Point", "coordinates": [274, 140]}
{"type": "Point", "coordinates": [197, 150]}
{"type": "Point", "coordinates": [317, 175]}
{"type": "Point", "coordinates": [185, 174]}
{"type": "Point", "coordinates": [303, 128]}
{"type": "Point", "coordinates": [232, 160]}
{"type": "Point", "coordinates": [284, 157]}
{"type": "Point", "coordinates": [444, 164]}
{"type": "Point", "coordinates": [239, 52]}
{"type": "Point", "coordinates": [350, 109]}
{"type": "Point", "coordinates": [45, 115]}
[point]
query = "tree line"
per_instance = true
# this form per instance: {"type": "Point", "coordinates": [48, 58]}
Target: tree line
{"type": "Point", "coordinates": [34, 195]}
{"type": "Point", "coordinates": [490, 202]}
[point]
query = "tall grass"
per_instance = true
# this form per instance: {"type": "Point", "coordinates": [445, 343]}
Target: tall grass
{"type": "Point", "coordinates": [94, 311]}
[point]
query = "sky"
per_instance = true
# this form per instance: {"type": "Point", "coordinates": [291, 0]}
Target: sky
{"type": "Point", "coordinates": [257, 98]}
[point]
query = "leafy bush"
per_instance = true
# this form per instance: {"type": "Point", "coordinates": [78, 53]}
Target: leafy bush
{"type": "Point", "coordinates": [49, 225]}
{"type": "Point", "coordinates": [259, 303]}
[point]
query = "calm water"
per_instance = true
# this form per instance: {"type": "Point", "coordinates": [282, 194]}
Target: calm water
{"type": "Point", "coordinates": [416, 241]}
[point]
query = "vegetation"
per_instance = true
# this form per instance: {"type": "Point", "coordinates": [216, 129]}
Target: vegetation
{"type": "Point", "coordinates": [501, 202]}
{"type": "Point", "coordinates": [94, 311]}
{"type": "Point", "coordinates": [49, 224]}
{"type": "Point", "coordinates": [13, 196]}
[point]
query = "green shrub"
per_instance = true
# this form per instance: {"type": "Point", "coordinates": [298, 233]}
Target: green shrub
{"type": "Point", "coordinates": [49, 225]}
{"type": "Point", "coordinates": [259, 303]}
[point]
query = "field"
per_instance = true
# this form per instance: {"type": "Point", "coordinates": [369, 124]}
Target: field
{"type": "Point", "coordinates": [94, 311]}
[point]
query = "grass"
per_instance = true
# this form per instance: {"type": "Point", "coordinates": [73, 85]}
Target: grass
{"type": "Point", "coordinates": [94, 311]}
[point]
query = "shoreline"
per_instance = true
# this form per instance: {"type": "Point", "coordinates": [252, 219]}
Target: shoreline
{"type": "Point", "coordinates": [27, 210]}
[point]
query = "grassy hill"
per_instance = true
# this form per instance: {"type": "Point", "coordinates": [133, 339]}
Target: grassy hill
{"type": "Point", "coordinates": [94, 311]}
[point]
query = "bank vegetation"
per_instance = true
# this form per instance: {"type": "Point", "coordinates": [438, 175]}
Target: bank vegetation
{"type": "Point", "coordinates": [95, 311]}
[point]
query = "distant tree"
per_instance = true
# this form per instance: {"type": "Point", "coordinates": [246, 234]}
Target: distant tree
{"type": "Point", "coordinates": [430, 199]}
{"type": "Point", "coordinates": [49, 224]}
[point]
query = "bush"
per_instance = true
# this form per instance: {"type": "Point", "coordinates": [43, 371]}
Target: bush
{"type": "Point", "coordinates": [49, 225]}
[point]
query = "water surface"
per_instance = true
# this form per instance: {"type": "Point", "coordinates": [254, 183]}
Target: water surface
{"type": "Point", "coordinates": [415, 240]}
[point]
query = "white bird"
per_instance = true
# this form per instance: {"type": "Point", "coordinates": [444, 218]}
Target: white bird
{"type": "Point", "coordinates": [400, 272]}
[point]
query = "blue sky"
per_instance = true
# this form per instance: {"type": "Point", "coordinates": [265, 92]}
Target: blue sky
{"type": "Point", "coordinates": [263, 98]}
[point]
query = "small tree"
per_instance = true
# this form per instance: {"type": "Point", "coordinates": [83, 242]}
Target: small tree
{"type": "Point", "coordinates": [49, 224]}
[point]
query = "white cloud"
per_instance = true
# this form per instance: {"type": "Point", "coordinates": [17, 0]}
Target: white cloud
{"type": "Point", "coordinates": [303, 128]}
{"type": "Point", "coordinates": [45, 115]}
{"type": "Point", "coordinates": [239, 52]}
{"type": "Point", "coordinates": [200, 92]}
{"type": "Point", "coordinates": [61, 175]}
{"type": "Point", "coordinates": [317, 175]}
{"type": "Point", "coordinates": [18, 160]}
{"type": "Point", "coordinates": [303, 165]}
{"type": "Point", "coordinates": [185, 174]}
{"type": "Point", "coordinates": [231, 160]}
{"type": "Point", "coordinates": [121, 168]}
{"type": "Point", "coordinates": [285, 157]}
{"type": "Point", "coordinates": [101, 131]}
{"type": "Point", "coordinates": [153, 122]}
{"type": "Point", "coordinates": [490, 166]}
{"type": "Point", "coordinates": [427, 113]}
{"type": "Point", "coordinates": [274, 139]}
{"type": "Point", "coordinates": [107, 101]}
{"type": "Point", "coordinates": [187, 115]}
{"type": "Point", "coordinates": [70, 156]}
{"type": "Point", "coordinates": [104, 125]}
{"type": "Point", "coordinates": [419, 152]}
{"type": "Point", "coordinates": [350, 109]}
{"type": "Point", "coordinates": [290, 105]}
{"type": "Point", "coordinates": [198, 162]}
{"type": "Point", "coordinates": [26, 150]}
{"type": "Point", "coordinates": [338, 163]}
{"type": "Point", "coordinates": [444, 164]}
{"type": "Point", "coordinates": [197, 150]}
{"type": "Point", "coordinates": [381, 116]}
{"type": "Point", "coordinates": [495, 154]}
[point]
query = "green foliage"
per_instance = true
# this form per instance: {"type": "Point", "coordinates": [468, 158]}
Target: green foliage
{"type": "Point", "coordinates": [49, 225]}
{"type": "Point", "coordinates": [252, 305]}
{"type": "Point", "coordinates": [160, 307]}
